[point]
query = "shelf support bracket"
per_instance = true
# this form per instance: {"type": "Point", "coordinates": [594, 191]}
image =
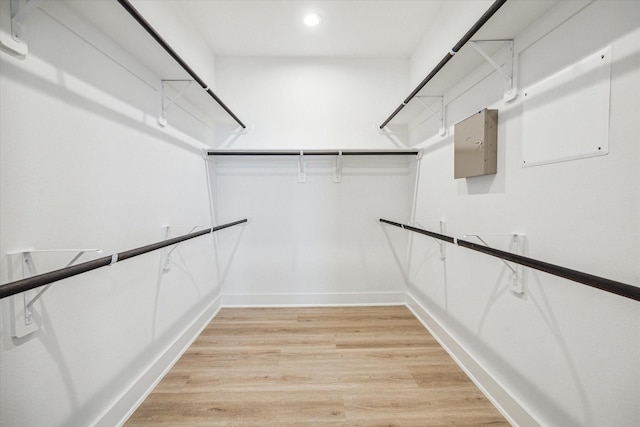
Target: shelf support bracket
{"type": "Point", "coordinates": [506, 69]}
{"type": "Point", "coordinates": [14, 25]}
{"type": "Point", "coordinates": [440, 115]}
{"type": "Point", "coordinates": [302, 175]}
{"type": "Point", "coordinates": [23, 316]}
{"type": "Point", "coordinates": [517, 246]}
{"type": "Point", "coordinates": [167, 101]}
{"type": "Point", "coordinates": [165, 261]}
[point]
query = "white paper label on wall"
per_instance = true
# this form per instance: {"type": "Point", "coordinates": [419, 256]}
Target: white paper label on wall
{"type": "Point", "coordinates": [566, 116]}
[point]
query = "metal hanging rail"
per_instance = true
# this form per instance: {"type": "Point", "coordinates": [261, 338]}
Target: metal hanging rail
{"type": "Point", "coordinates": [312, 152]}
{"type": "Point", "coordinates": [612, 286]}
{"type": "Point", "coordinates": [153, 33]}
{"type": "Point", "coordinates": [474, 29]}
{"type": "Point", "coordinates": [22, 285]}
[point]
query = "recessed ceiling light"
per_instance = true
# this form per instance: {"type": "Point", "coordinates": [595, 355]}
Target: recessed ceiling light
{"type": "Point", "coordinates": [311, 19]}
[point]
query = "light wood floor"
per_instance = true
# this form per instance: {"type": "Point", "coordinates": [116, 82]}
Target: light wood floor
{"type": "Point", "coordinates": [295, 367]}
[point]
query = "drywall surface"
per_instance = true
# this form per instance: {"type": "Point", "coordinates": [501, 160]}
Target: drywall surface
{"type": "Point", "coordinates": [311, 102]}
{"type": "Point", "coordinates": [313, 242]}
{"type": "Point", "coordinates": [85, 165]}
{"type": "Point", "coordinates": [567, 352]}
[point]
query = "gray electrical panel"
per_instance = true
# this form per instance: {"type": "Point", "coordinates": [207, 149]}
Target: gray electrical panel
{"type": "Point", "coordinates": [475, 141]}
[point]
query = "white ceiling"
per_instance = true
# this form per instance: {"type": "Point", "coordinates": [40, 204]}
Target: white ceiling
{"type": "Point", "coordinates": [349, 28]}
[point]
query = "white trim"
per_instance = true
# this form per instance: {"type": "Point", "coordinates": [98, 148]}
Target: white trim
{"type": "Point", "coordinates": [314, 299]}
{"type": "Point", "coordinates": [118, 413]}
{"type": "Point", "coordinates": [509, 406]}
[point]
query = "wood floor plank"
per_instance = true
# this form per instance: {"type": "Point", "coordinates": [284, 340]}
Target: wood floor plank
{"type": "Point", "coordinates": [316, 366]}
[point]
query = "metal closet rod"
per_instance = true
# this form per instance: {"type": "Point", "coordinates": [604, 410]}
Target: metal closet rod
{"type": "Point", "coordinates": [312, 152]}
{"type": "Point", "coordinates": [474, 29]}
{"type": "Point", "coordinates": [145, 24]}
{"type": "Point", "coordinates": [23, 285]}
{"type": "Point", "coordinates": [608, 285]}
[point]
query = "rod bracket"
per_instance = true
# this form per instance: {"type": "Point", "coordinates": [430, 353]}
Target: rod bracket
{"type": "Point", "coordinates": [439, 113]}
{"type": "Point", "coordinates": [23, 311]}
{"type": "Point", "coordinates": [302, 173]}
{"type": "Point", "coordinates": [517, 245]}
{"type": "Point", "coordinates": [165, 258]}
{"type": "Point", "coordinates": [337, 174]}
{"type": "Point", "coordinates": [13, 28]}
{"type": "Point", "coordinates": [167, 101]}
{"type": "Point", "coordinates": [443, 246]}
{"type": "Point", "coordinates": [506, 68]}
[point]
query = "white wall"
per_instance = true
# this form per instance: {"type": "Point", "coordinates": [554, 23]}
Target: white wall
{"type": "Point", "coordinates": [84, 165]}
{"type": "Point", "coordinates": [316, 242]}
{"type": "Point", "coordinates": [567, 352]}
{"type": "Point", "coordinates": [312, 102]}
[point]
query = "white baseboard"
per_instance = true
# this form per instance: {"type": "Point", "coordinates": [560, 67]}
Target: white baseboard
{"type": "Point", "coordinates": [512, 410]}
{"type": "Point", "coordinates": [314, 299]}
{"type": "Point", "coordinates": [133, 397]}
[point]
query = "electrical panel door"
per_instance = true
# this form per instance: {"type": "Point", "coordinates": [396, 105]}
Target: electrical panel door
{"type": "Point", "coordinates": [475, 141]}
